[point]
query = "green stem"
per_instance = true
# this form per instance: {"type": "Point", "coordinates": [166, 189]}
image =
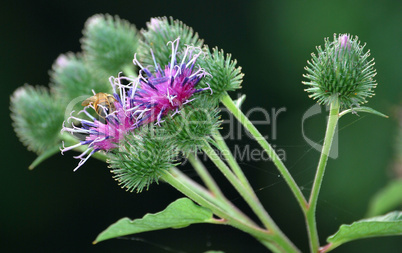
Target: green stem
{"type": "Point", "coordinates": [310, 214]}
{"type": "Point", "coordinates": [232, 161]}
{"type": "Point", "coordinates": [195, 192]}
{"type": "Point", "coordinates": [192, 190]}
{"type": "Point", "coordinates": [205, 176]}
{"type": "Point", "coordinates": [228, 102]}
{"type": "Point", "coordinates": [214, 188]}
{"type": "Point", "coordinates": [251, 200]}
{"type": "Point", "coordinates": [203, 197]}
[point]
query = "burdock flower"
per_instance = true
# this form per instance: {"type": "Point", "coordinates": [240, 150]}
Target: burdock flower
{"type": "Point", "coordinates": [343, 70]}
{"type": "Point", "coordinates": [168, 88]}
{"type": "Point", "coordinates": [105, 134]}
{"type": "Point", "coordinates": [144, 100]}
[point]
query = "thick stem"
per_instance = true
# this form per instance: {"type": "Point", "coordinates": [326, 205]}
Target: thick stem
{"type": "Point", "coordinates": [251, 200]}
{"type": "Point", "coordinates": [203, 197]}
{"type": "Point", "coordinates": [228, 102]}
{"type": "Point", "coordinates": [197, 193]}
{"type": "Point", "coordinates": [311, 211]}
{"type": "Point", "coordinates": [231, 160]}
{"type": "Point", "coordinates": [205, 176]}
{"type": "Point", "coordinates": [214, 188]}
{"type": "Point", "coordinates": [194, 191]}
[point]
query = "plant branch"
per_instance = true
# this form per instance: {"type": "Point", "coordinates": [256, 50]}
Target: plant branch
{"type": "Point", "coordinates": [228, 102]}
{"type": "Point", "coordinates": [221, 144]}
{"type": "Point", "coordinates": [251, 200]}
{"type": "Point", "coordinates": [311, 211]}
{"type": "Point", "coordinates": [197, 193]}
{"type": "Point", "coordinates": [214, 188]}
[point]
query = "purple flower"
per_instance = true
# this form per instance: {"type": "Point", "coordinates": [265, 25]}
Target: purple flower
{"type": "Point", "coordinates": [107, 134]}
{"type": "Point", "coordinates": [144, 100]}
{"type": "Point", "coordinates": [168, 89]}
{"type": "Point", "coordinates": [344, 41]}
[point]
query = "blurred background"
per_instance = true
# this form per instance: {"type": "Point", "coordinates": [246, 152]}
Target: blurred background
{"type": "Point", "coordinates": [52, 209]}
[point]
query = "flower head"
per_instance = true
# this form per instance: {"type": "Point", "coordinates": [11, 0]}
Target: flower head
{"type": "Point", "coordinates": [343, 70]}
{"type": "Point", "coordinates": [169, 88]}
{"type": "Point", "coordinates": [105, 134]}
{"type": "Point", "coordinates": [160, 30]}
{"type": "Point", "coordinates": [37, 118]}
{"type": "Point", "coordinates": [145, 99]}
{"type": "Point", "coordinates": [109, 43]}
{"type": "Point", "coordinates": [143, 157]}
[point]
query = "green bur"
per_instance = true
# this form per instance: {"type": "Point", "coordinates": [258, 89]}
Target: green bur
{"type": "Point", "coordinates": [37, 118]}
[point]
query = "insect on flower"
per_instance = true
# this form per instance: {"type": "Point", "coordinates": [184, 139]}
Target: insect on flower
{"type": "Point", "coordinates": [103, 103]}
{"type": "Point", "coordinates": [103, 134]}
{"type": "Point", "coordinates": [146, 99]}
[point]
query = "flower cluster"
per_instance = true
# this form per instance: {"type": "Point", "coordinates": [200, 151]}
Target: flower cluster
{"type": "Point", "coordinates": [143, 100]}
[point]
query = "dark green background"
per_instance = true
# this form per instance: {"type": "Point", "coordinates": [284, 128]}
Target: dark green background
{"type": "Point", "coordinates": [52, 209]}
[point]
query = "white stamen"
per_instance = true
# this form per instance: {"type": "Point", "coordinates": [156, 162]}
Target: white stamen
{"type": "Point", "coordinates": [174, 52]}
{"type": "Point", "coordinates": [195, 57]}
{"type": "Point", "coordinates": [185, 55]}
{"type": "Point", "coordinates": [136, 62]}
{"type": "Point", "coordinates": [64, 149]}
{"type": "Point", "coordinates": [178, 71]}
{"type": "Point", "coordinates": [153, 58]}
{"type": "Point", "coordinates": [83, 160]}
{"type": "Point", "coordinates": [77, 130]}
{"type": "Point", "coordinates": [209, 88]}
{"type": "Point", "coordinates": [98, 139]}
{"type": "Point", "coordinates": [176, 112]}
{"type": "Point", "coordinates": [170, 97]}
{"type": "Point", "coordinates": [188, 101]}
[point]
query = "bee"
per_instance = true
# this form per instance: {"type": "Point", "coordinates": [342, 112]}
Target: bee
{"type": "Point", "coordinates": [102, 102]}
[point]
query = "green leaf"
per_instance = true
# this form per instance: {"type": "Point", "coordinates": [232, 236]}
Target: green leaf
{"type": "Point", "coordinates": [43, 156]}
{"type": "Point", "coordinates": [387, 199]}
{"type": "Point", "coordinates": [386, 225]}
{"type": "Point", "coordinates": [214, 251]}
{"type": "Point", "coordinates": [181, 213]}
{"type": "Point", "coordinates": [362, 109]}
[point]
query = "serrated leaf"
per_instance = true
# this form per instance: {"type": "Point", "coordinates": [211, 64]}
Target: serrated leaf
{"type": "Point", "coordinates": [386, 225]}
{"type": "Point", "coordinates": [387, 199]}
{"type": "Point", "coordinates": [181, 213]}
{"type": "Point", "coordinates": [362, 109]}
